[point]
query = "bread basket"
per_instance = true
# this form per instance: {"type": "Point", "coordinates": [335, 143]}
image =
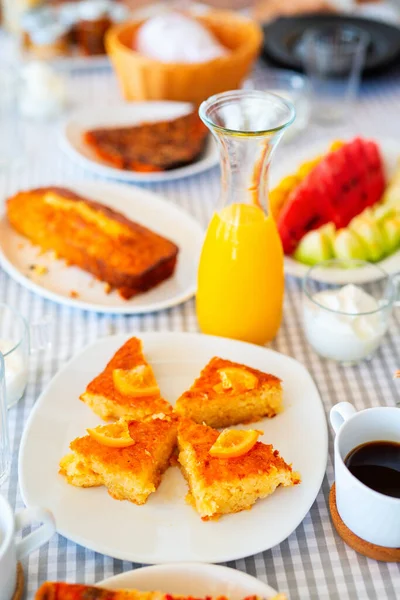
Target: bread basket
{"type": "Point", "coordinates": [143, 78]}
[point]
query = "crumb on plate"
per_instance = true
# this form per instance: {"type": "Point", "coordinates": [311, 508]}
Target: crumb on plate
{"type": "Point", "coordinates": [38, 269]}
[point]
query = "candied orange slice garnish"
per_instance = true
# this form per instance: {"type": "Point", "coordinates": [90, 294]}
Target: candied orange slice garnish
{"type": "Point", "coordinates": [137, 382]}
{"type": "Point", "coordinates": [235, 379]}
{"type": "Point", "coordinates": [115, 435]}
{"type": "Point", "coordinates": [234, 442]}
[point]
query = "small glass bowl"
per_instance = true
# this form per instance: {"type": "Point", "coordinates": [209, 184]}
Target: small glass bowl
{"type": "Point", "coordinates": [346, 309]}
{"type": "Point", "coordinates": [289, 85]}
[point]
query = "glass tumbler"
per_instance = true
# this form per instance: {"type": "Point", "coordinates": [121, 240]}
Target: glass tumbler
{"type": "Point", "coordinates": [346, 308]}
{"type": "Point", "coordinates": [290, 86]}
{"type": "Point", "coordinates": [14, 345]}
{"type": "Point", "coordinates": [333, 58]}
{"type": "Point", "coordinates": [4, 441]}
{"type": "Point", "coordinates": [17, 341]}
{"type": "Point", "coordinates": [11, 148]}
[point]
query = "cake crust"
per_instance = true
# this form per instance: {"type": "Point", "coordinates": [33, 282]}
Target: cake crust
{"type": "Point", "coordinates": [155, 146]}
{"type": "Point", "coordinates": [74, 591]}
{"type": "Point", "coordinates": [208, 402]}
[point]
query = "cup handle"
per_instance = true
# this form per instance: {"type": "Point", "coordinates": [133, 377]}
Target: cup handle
{"type": "Point", "coordinates": [40, 334]}
{"type": "Point", "coordinates": [340, 413]}
{"type": "Point", "coordinates": [37, 538]}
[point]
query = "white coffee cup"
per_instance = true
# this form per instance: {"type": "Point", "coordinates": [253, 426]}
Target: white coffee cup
{"type": "Point", "coordinates": [12, 551]}
{"type": "Point", "coordinates": [373, 516]}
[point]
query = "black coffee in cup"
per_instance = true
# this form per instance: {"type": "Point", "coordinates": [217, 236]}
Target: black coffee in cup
{"type": "Point", "coordinates": [377, 465]}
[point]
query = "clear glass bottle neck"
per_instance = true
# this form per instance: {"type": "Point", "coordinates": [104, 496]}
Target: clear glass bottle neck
{"type": "Point", "coordinates": [245, 161]}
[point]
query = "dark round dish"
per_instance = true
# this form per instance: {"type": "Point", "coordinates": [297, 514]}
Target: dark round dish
{"type": "Point", "coordinates": [283, 39]}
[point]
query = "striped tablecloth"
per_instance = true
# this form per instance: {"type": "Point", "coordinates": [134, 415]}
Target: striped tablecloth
{"type": "Point", "coordinates": [313, 562]}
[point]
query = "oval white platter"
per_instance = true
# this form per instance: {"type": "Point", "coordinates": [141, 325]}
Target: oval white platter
{"type": "Point", "coordinates": [124, 114]}
{"type": "Point", "coordinates": [144, 534]}
{"type": "Point", "coordinates": [390, 150]}
{"type": "Point", "coordinates": [197, 580]}
{"type": "Point", "coordinates": [77, 288]}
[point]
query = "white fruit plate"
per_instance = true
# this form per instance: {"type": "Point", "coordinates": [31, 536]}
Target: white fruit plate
{"type": "Point", "coordinates": [390, 150]}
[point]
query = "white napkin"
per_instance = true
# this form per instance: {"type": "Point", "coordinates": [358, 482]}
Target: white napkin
{"type": "Point", "coordinates": [175, 38]}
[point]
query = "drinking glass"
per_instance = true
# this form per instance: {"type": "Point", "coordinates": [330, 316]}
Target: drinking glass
{"type": "Point", "coordinates": [10, 138]}
{"type": "Point", "coordinates": [290, 86]}
{"type": "Point", "coordinates": [14, 345]}
{"type": "Point", "coordinates": [17, 341]}
{"type": "Point", "coordinates": [333, 58]}
{"type": "Point", "coordinates": [348, 325]}
{"type": "Point", "coordinates": [4, 443]}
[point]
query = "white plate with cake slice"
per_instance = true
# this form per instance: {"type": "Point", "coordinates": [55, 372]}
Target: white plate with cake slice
{"type": "Point", "coordinates": [166, 528]}
{"type": "Point", "coordinates": [193, 580]}
{"type": "Point", "coordinates": [123, 115]}
{"type": "Point", "coordinates": [53, 279]}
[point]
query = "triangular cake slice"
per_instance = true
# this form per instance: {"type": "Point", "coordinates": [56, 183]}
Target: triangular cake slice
{"type": "Point", "coordinates": [127, 386]}
{"type": "Point", "coordinates": [228, 393]}
{"type": "Point", "coordinates": [130, 473]}
{"type": "Point", "coordinates": [219, 486]}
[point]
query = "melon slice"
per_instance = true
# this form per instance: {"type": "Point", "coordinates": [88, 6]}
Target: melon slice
{"type": "Point", "coordinates": [316, 245]}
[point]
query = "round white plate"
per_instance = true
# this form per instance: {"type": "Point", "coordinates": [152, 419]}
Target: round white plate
{"type": "Point", "coordinates": [129, 114]}
{"type": "Point", "coordinates": [166, 529]}
{"type": "Point", "coordinates": [60, 283]}
{"type": "Point", "coordinates": [390, 150]}
{"type": "Point", "coordinates": [197, 580]}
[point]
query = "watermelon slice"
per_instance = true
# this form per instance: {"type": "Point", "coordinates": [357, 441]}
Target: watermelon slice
{"type": "Point", "coordinates": [353, 197]}
{"type": "Point", "coordinates": [376, 176]}
{"type": "Point", "coordinates": [337, 189]}
{"type": "Point", "coordinates": [302, 213]}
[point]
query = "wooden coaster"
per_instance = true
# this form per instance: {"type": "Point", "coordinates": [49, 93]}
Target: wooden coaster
{"type": "Point", "coordinates": [19, 589]}
{"type": "Point", "coordinates": [366, 548]}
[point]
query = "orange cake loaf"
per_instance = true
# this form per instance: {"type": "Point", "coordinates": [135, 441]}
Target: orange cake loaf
{"type": "Point", "coordinates": [131, 472]}
{"type": "Point", "coordinates": [219, 486]}
{"type": "Point", "coordinates": [227, 393]}
{"type": "Point", "coordinates": [156, 146]}
{"type": "Point", "coordinates": [94, 237]}
{"type": "Point", "coordinates": [74, 591]}
{"type": "Point", "coordinates": [127, 386]}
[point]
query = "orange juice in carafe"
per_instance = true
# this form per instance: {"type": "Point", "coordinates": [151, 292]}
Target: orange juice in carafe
{"type": "Point", "coordinates": [240, 277]}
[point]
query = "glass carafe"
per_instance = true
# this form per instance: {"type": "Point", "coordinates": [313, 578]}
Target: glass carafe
{"type": "Point", "coordinates": [240, 277]}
